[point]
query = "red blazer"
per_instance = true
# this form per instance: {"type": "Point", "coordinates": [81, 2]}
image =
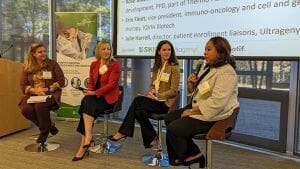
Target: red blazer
{"type": "Point", "coordinates": [109, 81]}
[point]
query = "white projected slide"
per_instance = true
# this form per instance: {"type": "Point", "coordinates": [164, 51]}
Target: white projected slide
{"type": "Point", "coordinates": [253, 28]}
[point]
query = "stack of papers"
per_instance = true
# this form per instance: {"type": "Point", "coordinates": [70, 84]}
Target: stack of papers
{"type": "Point", "coordinates": [38, 99]}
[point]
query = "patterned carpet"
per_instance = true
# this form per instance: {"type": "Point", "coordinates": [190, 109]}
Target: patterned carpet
{"type": "Point", "coordinates": [13, 156]}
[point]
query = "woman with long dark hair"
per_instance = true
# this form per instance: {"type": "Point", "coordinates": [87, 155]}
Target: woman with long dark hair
{"type": "Point", "coordinates": [162, 94]}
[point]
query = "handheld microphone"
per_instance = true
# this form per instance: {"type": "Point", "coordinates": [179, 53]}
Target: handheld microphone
{"type": "Point", "coordinates": [201, 63]}
{"type": "Point", "coordinates": [80, 88]}
{"type": "Point", "coordinates": [76, 86]}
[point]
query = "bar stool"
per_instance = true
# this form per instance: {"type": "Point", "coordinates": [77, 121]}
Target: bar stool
{"type": "Point", "coordinates": [221, 130]}
{"type": "Point", "coordinates": [159, 158]}
{"type": "Point", "coordinates": [105, 146]}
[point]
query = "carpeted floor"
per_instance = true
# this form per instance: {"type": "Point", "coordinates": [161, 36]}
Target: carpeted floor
{"type": "Point", "coordinates": [13, 156]}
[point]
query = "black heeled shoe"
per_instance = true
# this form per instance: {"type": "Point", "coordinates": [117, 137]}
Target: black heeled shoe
{"type": "Point", "coordinates": [177, 163]}
{"type": "Point", "coordinates": [111, 137]}
{"type": "Point", "coordinates": [53, 130]}
{"type": "Point", "coordinates": [200, 160]}
{"type": "Point", "coordinates": [86, 153]}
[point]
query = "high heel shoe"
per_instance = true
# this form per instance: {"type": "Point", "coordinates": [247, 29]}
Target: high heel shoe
{"type": "Point", "coordinates": [200, 160]}
{"type": "Point", "coordinates": [53, 130]}
{"type": "Point", "coordinates": [111, 137]}
{"type": "Point", "coordinates": [86, 153]}
{"type": "Point", "coordinates": [177, 163]}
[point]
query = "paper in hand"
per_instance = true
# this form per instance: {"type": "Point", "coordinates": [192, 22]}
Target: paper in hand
{"type": "Point", "coordinates": [38, 99]}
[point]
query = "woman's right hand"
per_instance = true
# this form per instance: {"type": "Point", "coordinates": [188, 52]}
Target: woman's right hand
{"type": "Point", "coordinates": [88, 92]}
{"type": "Point", "coordinates": [192, 78]}
{"type": "Point", "coordinates": [40, 91]}
{"type": "Point", "coordinates": [151, 94]}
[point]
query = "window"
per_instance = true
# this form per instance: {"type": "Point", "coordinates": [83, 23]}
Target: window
{"type": "Point", "coordinates": [22, 22]}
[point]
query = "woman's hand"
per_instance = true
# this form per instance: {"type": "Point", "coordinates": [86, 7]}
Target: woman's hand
{"type": "Point", "coordinates": [188, 112]}
{"type": "Point", "coordinates": [151, 94]}
{"type": "Point", "coordinates": [40, 91]}
{"type": "Point", "coordinates": [192, 78]}
{"type": "Point", "coordinates": [88, 93]}
{"type": "Point", "coordinates": [52, 88]}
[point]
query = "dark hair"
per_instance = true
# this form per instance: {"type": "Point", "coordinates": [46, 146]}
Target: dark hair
{"type": "Point", "coordinates": [224, 51]}
{"type": "Point", "coordinates": [157, 58]}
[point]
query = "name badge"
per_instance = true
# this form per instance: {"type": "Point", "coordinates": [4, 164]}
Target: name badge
{"type": "Point", "coordinates": [47, 75]}
{"type": "Point", "coordinates": [165, 77]}
{"type": "Point", "coordinates": [103, 69]}
{"type": "Point", "coordinates": [204, 88]}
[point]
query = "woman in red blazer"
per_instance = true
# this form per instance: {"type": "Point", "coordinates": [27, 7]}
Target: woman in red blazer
{"type": "Point", "coordinates": [102, 93]}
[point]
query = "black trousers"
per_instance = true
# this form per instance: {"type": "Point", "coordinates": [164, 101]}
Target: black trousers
{"type": "Point", "coordinates": [139, 110]}
{"type": "Point", "coordinates": [180, 132]}
{"type": "Point", "coordinates": [91, 106]}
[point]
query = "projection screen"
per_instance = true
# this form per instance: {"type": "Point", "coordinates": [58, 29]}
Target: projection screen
{"type": "Point", "coordinates": [261, 28]}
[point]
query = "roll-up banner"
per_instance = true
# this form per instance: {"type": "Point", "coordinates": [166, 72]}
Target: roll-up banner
{"type": "Point", "coordinates": [76, 40]}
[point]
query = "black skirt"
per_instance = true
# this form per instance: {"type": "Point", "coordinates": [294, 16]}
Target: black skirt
{"type": "Point", "coordinates": [94, 106]}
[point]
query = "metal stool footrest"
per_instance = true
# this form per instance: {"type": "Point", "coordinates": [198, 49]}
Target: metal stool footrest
{"type": "Point", "coordinates": [42, 147]}
{"type": "Point", "coordinates": [158, 159]}
{"type": "Point", "coordinates": [106, 147]}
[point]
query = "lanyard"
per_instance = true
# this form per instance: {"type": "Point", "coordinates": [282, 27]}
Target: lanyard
{"type": "Point", "coordinates": [158, 77]}
{"type": "Point", "coordinates": [197, 83]}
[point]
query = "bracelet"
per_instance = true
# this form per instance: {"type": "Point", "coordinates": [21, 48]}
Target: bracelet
{"type": "Point", "coordinates": [27, 89]}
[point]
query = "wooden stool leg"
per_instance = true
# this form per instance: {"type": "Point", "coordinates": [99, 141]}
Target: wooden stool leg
{"type": "Point", "coordinates": [209, 154]}
{"type": "Point", "coordinates": [159, 131]}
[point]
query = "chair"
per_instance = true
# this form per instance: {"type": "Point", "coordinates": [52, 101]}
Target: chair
{"type": "Point", "coordinates": [159, 158]}
{"type": "Point", "coordinates": [105, 146]}
{"type": "Point", "coordinates": [221, 130]}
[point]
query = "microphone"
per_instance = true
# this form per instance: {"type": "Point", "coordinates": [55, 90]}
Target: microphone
{"type": "Point", "coordinates": [2, 52]}
{"type": "Point", "coordinates": [201, 63]}
{"type": "Point", "coordinates": [76, 86]}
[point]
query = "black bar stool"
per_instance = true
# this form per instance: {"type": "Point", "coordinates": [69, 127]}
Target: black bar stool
{"type": "Point", "coordinates": [159, 158]}
{"type": "Point", "coordinates": [105, 146]}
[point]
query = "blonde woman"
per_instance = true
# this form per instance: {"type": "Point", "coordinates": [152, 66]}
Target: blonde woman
{"type": "Point", "coordinates": [41, 76]}
{"type": "Point", "coordinates": [101, 94]}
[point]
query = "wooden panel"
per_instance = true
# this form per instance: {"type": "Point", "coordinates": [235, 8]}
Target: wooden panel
{"type": "Point", "coordinates": [11, 119]}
